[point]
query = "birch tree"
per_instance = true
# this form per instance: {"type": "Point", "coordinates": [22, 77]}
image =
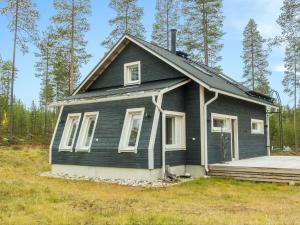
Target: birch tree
{"type": "Point", "coordinates": [22, 15]}
{"type": "Point", "coordinates": [70, 23]}
{"type": "Point", "coordinates": [166, 18]}
{"type": "Point", "coordinates": [289, 21]}
{"type": "Point", "coordinates": [127, 20]}
{"type": "Point", "coordinates": [202, 30]}
{"type": "Point", "coordinates": [255, 61]}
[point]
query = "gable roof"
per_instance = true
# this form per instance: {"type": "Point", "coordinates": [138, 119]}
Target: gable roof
{"type": "Point", "coordinates": [200, 73]}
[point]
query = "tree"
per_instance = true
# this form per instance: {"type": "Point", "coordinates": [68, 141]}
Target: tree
{"type": "Point", "coordinates": [255, 59]}
{"type": "Point", "coordinates": [127, 20]}
{"type": "Point", "coordinates": [5, 79]}
{"type": "Point", "coordinates": [289, 22]}
{"type": "Point", "coordinates": [166, 17]}
{"type": "Point", "coordinates": [43, 70]}
{"type": "Point", "coordinates": [70, 24]}
{"type": "Point", "coordinates": [202, 30]}
{"type": "Point", "coordinates": [22, 16]}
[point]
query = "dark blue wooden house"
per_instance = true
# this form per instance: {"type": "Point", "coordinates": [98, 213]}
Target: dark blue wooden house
{"type": "Point", "coordinates": [144, 109]}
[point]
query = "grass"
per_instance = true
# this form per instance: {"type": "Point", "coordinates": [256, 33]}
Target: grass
{"type": "Point", "coordinates": [29, 199]}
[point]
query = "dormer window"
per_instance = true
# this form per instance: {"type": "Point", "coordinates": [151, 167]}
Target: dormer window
{"type": "Point", "coordinates": [132, 73]}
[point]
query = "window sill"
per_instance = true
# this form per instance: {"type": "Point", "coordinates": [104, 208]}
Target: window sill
{"type": "Point", "coordinates": [175, 148]}
{"type": "Point", "coordinates": [65, 150]}
{"type": "Point", "coordinates": [220, 131]}
{"type": "Point", "coordinates": [132, 83]}
{"type": "Point", "coordinates": [257, 132]}
{"type": "Point", "coordinates": [127, 150]}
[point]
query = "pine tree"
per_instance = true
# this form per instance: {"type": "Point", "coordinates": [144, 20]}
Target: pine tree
{"type": "Point", "coordinates": [202, 31]}
{"type": "Point", "coordinates": [43, 70]}
{"type": "Point", "coordinates": [166, 17]}
{"type": "Point", "coordinates": [22, 16]}
{"type": "Point", "coordinates": [255, 59]}
{"type": "Point", "coordinates": [70, 24]}
{"type": "Point", "coordinates": [127, 20]}
{"type": "Point", "coordinates": [289, 22]}
{"type": "Point", "coordinates": [5, 79]}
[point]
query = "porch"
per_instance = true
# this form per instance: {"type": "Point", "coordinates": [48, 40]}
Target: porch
{"type": "Point", "coordinates": [267, 168]}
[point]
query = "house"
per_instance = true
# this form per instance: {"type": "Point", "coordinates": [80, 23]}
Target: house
{"type": "Point", "coordinates": [143, 110]}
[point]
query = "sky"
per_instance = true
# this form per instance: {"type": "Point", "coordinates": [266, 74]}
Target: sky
{"type": "Point", "coordinates": [237, 13]}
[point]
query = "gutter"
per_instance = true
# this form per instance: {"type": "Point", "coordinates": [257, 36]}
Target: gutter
{"type": "Point", "coordinates": [205, 128]}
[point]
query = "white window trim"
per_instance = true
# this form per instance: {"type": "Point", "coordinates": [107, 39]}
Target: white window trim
{"type": "Point", "coordinates": [62, 146]}
{"type": "Point", "coordinates": [258, 131]}
{"type": "Point", "coordinates": [126, 81]}
{"type": "Point", "coordinates": [123, 146]}
{"type": "Point", "coordinates": [220, 116]}
{"type": "Point", "coordinates": [175, 147]}
{"type": "Point", "coordinates": [83, 131]}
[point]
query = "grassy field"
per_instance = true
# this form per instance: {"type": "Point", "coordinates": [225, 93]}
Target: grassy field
{"type": "Point", "coordinates": [29, 199]}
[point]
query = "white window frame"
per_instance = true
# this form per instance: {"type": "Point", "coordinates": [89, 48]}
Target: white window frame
{"type": "Point", "coordinates": [83, 132]}
{"type": "Point", "coordinates": [126, 74]}
{"type": "Point", "coordinates": [261, 122]}
{"type": "Point", "coordinates": [227, 119]}
{"type": "Point", "coordinates": [178, 132]}
{"type": "Point", "coordinates": [62, 145]}
{"type": "Point", "coordinates": [123, 144]}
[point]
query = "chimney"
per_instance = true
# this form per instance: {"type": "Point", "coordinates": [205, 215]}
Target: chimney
{"type": "Point", "coordinates": [173, 41]}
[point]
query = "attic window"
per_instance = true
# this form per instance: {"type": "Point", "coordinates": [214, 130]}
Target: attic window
{"type": "Point", "coordinates": [132, 73]}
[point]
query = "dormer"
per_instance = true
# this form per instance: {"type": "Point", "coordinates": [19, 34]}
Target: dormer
{"type": "Point", "coordinates": [132, 73]}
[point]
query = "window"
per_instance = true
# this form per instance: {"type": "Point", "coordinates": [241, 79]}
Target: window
{"type": "Point", "coordinates": [174, 130]}
{"type": "Point", "coordinates": [131, 130]}
{"type": "Point", "coordinates": [257, 126]}
{"type": "Point", "coordinates": [87, 130]}
{"type": "Point", "coordinates": [132, 73]}
{"type": "Point", "coordinates": [221, 123]}
{"type": "Point", "coordinates": [69, 133]}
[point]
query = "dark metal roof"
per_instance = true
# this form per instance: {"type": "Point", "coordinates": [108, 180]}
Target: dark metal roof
{"type": "Point", "coordinates": [123, 90]}
{"type": "Point", "coordinates": [204, 73]}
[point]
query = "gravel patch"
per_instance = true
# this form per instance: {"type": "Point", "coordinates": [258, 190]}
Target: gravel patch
{"type": "Point", "coordinates": [126, 182]}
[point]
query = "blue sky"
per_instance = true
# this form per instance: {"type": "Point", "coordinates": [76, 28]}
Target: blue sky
{"type": "Point", "coordinates": [236, 12]}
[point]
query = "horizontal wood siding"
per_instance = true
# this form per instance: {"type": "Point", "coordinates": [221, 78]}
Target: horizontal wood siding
{"type": "Point", "coordinates": [250, 145]}
{"type": "Point", "coordinates": [108, 132]}
{"type": "Point", "coordinates": [192, 110]}
{"type": "Point", "coordinates": [152, 68]}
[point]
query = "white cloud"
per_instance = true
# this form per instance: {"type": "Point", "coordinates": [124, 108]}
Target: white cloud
{"type": "Point", "coordinates": [279, 68]}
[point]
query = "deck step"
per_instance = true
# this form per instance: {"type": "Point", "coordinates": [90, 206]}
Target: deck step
{"type": "Point", "coordinates": [256, 174]}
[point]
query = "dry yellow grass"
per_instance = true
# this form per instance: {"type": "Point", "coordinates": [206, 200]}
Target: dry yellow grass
{"type": "Point", "coordinates": [29, 199]}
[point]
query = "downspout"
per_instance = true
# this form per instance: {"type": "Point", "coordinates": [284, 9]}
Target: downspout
{"type": "Point", "coordinates": [163, 151]}
{"type": "Point", "coordinates": [205, 128]}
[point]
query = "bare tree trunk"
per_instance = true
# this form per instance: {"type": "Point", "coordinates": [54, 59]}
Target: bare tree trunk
{"type": "Point", "coordinates": [13, 75]}
{"type": "Point", "coordinates": [295, 98]}
{"type": "Point", "coordinates": [46, 89]}
{"type": "Point", "coordinates": [205, 33]}
{"type": "Point", "coordinates": [252, 60]}
{"type": "Point", "coordinates": [72, 77]}
{"type": "Point", "coordinates": [168, 25]}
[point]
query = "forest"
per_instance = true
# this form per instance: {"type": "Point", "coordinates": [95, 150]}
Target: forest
{"type": "Point", "coordinates": [61, 52]}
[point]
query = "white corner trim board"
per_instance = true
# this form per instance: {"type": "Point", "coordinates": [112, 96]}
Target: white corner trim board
{"type": "Point", "coordinates": [54, 133]}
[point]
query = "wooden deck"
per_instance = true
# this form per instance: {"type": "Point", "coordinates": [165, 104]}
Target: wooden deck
{"type": "Point", "coordinates": [268, 168]}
